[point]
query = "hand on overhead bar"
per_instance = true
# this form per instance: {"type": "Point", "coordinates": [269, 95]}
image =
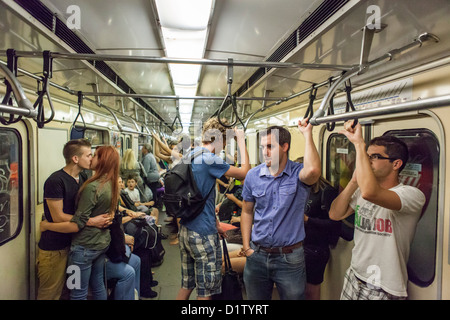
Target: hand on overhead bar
{"type": "Point", "coordinates": [304, 126]}
{"type": "Point", "coordinates": [352, 132]}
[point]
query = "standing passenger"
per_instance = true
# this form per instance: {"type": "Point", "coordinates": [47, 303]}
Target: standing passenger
{"type": "Point", "coordinates": [98, 195]}
{"type": "Point", "coordinates": [277, 191]}
{"type": "Point", "coordinates": [60, 191]}
{"type": "Point", "coordinates": [386, 216]}
{"type": "Point", "coordinates": [151, 169]}
{"type": "Point", "coordinates": [201, 252]}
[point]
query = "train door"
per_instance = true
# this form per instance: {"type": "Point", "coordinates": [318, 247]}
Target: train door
{"type": "Point", "coordinates": [15, 255]}
{"type": "Point", "coordinates": [338, 163]}
{"type": "Point", "coordinates": [423, 137]}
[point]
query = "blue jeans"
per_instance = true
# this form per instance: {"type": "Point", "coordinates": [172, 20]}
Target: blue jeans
{"type": "Point", "coordinates": [128, 276]}
{"type": "Point", "coordinates": [287, 270]}
{"type": "Point", "coordinates": [91, 264]}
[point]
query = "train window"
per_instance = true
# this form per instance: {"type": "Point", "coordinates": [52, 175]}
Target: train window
{"type": "Point", "coordinates": [422, 171]}
{"type": "Point", "coordinates": [341, 164]}
{"type": "Point", "coordinates": [95, 137]}
{"type": "Point", "coordinates": [120, 147]}
{"type": "Point", "coordinates": [127, 142]}
{"type": "Point", "coordinates": [11, 214]}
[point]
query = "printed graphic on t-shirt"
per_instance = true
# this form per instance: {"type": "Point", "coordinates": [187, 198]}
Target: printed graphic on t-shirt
{"type": "Point", "coordinates": [366, 222]}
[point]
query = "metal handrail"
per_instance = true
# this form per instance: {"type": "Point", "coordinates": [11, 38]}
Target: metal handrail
{"type": "Point", "coordinates": [150, 59]}
{"type": "Point", "coordinates": [435, 102]}
{"type": "Point", "coordinates": [25, 107]}
{"type": "Point", "coordinates": [358, 70]}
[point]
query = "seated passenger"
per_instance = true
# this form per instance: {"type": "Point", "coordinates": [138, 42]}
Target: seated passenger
{"type": "Point", "coordinates": [237, 259]}
{"type": "Point", "coordinates": [134, 195]}
{"type": "Point", "coordinates": [231, 207]}
{"type": "Point", "coordinates": [127, 275]}
{"type": "Point", "coordinates": [146, 277]}
{"type": "Point", "coordinates": [129, 202]}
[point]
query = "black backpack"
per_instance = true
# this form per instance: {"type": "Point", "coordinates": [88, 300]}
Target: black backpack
{"type": "Point", "coordinates": [182, 197]}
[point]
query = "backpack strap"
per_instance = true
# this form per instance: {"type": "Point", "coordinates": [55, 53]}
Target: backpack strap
{"type": "Point", "coordinates": [195, 155]}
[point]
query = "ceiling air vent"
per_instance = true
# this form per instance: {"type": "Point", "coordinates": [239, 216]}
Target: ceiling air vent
{"type": "Point", "coordinates": [314, 21]}
{"type": "Point", "coordinates": [48, 19]}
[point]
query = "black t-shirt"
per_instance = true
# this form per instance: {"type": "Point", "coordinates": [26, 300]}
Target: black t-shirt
{"type": "Point", "coordinates": [60, 185]}
{"type": "Point", "coordinates": [320, 229]}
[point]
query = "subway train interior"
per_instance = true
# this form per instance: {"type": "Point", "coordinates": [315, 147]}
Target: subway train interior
{"type": "Point", "coordinates": [120, 72]}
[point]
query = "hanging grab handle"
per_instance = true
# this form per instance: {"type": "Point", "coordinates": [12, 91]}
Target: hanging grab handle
{"type": "Point", "coordinates": [229, 99]}
{"type": "Point", "coordinates": [312, 97]}
{"type": "Point", "coordinates": [79, 114]}
{"type": "Point", "coordinates": [7, 99]}
{"type": "Point", "coordinates": [177, 116]}
{"type": "Point", "coordinates": [39, 104]}
{"type": "Point", "coordinates": [330, 111]}
{"type": "Point", "coordinates": [349, 106]}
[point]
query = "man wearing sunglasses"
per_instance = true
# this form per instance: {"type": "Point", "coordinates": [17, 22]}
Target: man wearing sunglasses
{"type": "Point", "coordinates": [386, 215]}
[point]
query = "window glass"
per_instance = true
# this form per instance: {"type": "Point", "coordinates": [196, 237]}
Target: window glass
{"type": "Point", "coordinates": [10, 185]}
{"type": "Point", "coordinates": [96, 137]}
{"type": "Point", "coordinates": [341, 164]}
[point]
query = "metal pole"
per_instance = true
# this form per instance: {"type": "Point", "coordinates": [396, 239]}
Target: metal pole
{"type": "Point", "coordinates": [427, 103]}
{"type": "Point", "coordinates": [18, 111]}
{"type": "Point", "coordinates": [149, 59]}
{"type": "Point", "coordinates": [19, 94]}
{"type": "Point", "coordinates": [319, 85]}
{"type": "Point", "coordinates": [65, 89]}
{"type": "Point", "coordinates": [390, 55]}
{"type": "Point", "coordinates": [171, 97]}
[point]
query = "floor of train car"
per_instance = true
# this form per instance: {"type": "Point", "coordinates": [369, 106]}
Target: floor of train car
{"type": "Point", "coordinates": [168, 274]}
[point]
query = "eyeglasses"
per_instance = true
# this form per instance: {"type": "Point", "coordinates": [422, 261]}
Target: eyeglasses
{"type": "Point", "coordinates": [377, 156]}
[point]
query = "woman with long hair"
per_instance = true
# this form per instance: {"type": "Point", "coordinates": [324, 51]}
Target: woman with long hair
{"type": "Point", "coordinates": [98, 195]}
{"type": "Point", "coordinates": [129, 165]}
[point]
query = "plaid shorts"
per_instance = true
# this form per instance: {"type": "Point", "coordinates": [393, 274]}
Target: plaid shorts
{"type": "Point", "coordinates": [355, 289]}
{"type": "Point", "coordinates": [201, 262]}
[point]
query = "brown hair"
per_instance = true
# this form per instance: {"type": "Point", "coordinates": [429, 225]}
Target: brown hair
{"type": "Point", "coordinates": [73, 148]}
{"type": "Point", "coordinates": [395, 148]}
{"type": "Point", "coordinates": [284, 136]}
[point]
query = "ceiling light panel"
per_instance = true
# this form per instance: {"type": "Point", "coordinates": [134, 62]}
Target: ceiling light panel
{"type": "Point", "coordinates": [184, 29]}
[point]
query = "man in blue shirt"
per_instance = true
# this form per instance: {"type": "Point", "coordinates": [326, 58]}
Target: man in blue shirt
{"type": "Point", "coordinates": [274, 196]}
{"type": "Point", "coordinates": [201, 252]}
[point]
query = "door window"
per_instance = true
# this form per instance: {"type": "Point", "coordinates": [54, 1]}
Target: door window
{"type": "Point", "coordinates": [422, 171]}
{"type": "Point", "coordinates": [341, 160]}
{"type": "Point", "coordinates": [11, 214]}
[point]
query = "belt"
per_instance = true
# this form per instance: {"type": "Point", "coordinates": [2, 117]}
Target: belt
{"type": "Point", "coordinates": [287, 249]}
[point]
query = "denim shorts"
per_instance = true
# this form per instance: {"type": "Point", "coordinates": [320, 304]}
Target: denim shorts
{"type": "Point", "coordinates": [201, 262]}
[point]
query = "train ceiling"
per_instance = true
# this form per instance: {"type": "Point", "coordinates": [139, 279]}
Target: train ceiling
{"type": "Point", "coordinates": [289, 31]}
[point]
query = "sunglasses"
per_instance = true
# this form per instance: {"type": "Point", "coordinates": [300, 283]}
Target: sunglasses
{"type": "Point", "coordinates": [377, 156]}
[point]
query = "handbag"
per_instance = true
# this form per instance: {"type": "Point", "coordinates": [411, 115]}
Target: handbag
{"type": "Point", "coordinates": [116, 251]}
{"type": "Point", "coordinates": [231, 286]}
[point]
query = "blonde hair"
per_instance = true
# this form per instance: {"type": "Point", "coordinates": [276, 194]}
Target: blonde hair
{"type": "Point", "coordinates": [128, 160]}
